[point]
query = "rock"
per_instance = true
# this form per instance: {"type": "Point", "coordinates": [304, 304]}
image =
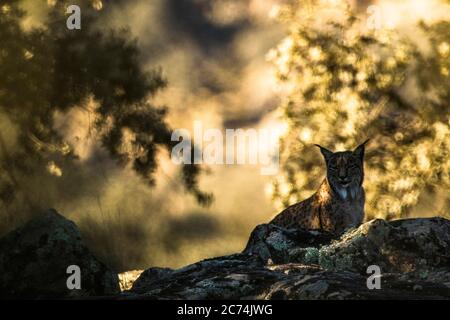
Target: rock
{"type": "Point", "coordinates": [308, 283]}
{"type": "Point", "coordinates": [150, 276]}
{"type": "Point", "coordinates": [408, 245]}
{"type": "Point", "coordinates": [299, 264]}
{"type": "Point", "coordinates": [229, 277]}
{"type": "Point", "coordinates": [277, 263]}
{"type": "Point", "coordinates": [35, 257]}
{"type": "Point", "coordinates": [268, 241]}
{"type": "Point", "coordinates": [402, 246]}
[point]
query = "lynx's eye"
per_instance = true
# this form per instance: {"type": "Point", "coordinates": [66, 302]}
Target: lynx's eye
{"type": "Point", "coordinates": [332, 166]}
{"type": "Point", "coordinates": [352, 164]}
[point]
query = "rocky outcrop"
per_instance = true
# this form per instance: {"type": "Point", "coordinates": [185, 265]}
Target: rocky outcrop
{"type": "Point", "coordinates": [34, 261]}
{"type": "Point", "coordinates": [413, 256]}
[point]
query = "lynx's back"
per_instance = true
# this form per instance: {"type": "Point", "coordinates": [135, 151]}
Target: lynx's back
{"type": "Point", "coordinates": [338, 204]}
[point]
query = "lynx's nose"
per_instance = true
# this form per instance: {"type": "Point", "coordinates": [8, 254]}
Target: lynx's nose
{"type": "Point", "coordinates": [342, 175]}
{"type": "Point", "coordinates": [344, 179]}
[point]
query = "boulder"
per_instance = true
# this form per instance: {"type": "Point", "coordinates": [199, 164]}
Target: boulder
{"type": "Point", "coordinates": [278, 245]}
{"type": "Point", "coordinates": [402, 246]}
{"type": "Point", "coordinates": [34, 261]}
{"type": "Point", "coordinates": [150, 276]}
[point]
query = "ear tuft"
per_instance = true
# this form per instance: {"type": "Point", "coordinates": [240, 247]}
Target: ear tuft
{"type": "Point", "coordinates": [359, 151]}
{"type": "Point", "coordinates": [325, 152]}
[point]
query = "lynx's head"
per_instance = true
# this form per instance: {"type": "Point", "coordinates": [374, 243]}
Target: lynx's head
{"type": "Point", "coordinates": [345, 170]}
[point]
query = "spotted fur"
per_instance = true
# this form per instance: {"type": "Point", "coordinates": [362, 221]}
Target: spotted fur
{"type": "Point", "coordinates": [338, 204]}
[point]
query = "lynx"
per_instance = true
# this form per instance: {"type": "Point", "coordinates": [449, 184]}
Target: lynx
{"type": "Point", "coordinates": [338, 204]}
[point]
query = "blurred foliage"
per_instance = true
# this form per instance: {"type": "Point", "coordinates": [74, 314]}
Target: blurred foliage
{"type": "Point", "coordinates": [48, 68]}
{"type": "Point", "coordinates": [347, 83]}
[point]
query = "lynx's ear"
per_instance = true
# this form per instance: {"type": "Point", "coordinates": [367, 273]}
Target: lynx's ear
{"type": "Point", "coordinates": [359, 151]}
{"type": "Point", "coordinates": [325, 152]}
